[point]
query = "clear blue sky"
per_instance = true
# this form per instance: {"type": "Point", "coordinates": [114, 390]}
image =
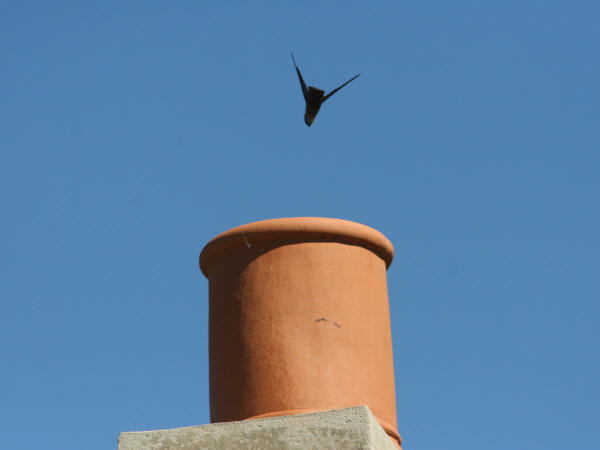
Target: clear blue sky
{"type": "Point", "coordinates": [131, 133]}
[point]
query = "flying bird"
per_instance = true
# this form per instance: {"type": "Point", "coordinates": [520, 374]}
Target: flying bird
{"type": "Point", "coordinates": [315, 97]}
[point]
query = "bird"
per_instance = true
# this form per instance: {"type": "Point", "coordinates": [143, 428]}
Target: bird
{"type": "Point", "coordinates": [315, 97]}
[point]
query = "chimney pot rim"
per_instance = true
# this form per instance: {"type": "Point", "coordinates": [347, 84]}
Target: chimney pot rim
{"type": "Point", "coordinates": [309, 229]}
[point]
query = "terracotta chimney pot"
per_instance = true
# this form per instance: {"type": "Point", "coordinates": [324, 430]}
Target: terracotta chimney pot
{"type": "Point", "coordinates": [299, 320]}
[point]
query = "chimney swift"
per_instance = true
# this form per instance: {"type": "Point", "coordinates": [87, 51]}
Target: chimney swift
{"type": "Point", "coordinates": [314, 97]}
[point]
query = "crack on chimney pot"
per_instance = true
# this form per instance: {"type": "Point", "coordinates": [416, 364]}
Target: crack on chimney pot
{"type": "Point", "coordinates": [323, 319]}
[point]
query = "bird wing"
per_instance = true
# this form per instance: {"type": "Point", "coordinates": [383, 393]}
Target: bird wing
{"type": "Point", "coordinates": [339, 87]}
{"type": "Point", "coordinates": [302, 83]}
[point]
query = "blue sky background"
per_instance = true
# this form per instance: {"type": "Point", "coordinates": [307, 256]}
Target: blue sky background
{"type": "Point", "coordinates": [131, 133]}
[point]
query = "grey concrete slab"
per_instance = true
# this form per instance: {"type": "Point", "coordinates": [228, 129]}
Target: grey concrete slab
{"type": "Point", "coordinates": [350, 428]}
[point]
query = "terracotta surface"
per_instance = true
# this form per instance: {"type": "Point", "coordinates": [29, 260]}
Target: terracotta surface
{"type": "Point", "coordinates": [299, 320]}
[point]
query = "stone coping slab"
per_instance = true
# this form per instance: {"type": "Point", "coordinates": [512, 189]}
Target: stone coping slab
{"type": "Point", "coordinates": [349, 428]}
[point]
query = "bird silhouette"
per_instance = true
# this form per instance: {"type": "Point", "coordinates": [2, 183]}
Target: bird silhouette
{"type": "Point", "coordinates": [315, 97]}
